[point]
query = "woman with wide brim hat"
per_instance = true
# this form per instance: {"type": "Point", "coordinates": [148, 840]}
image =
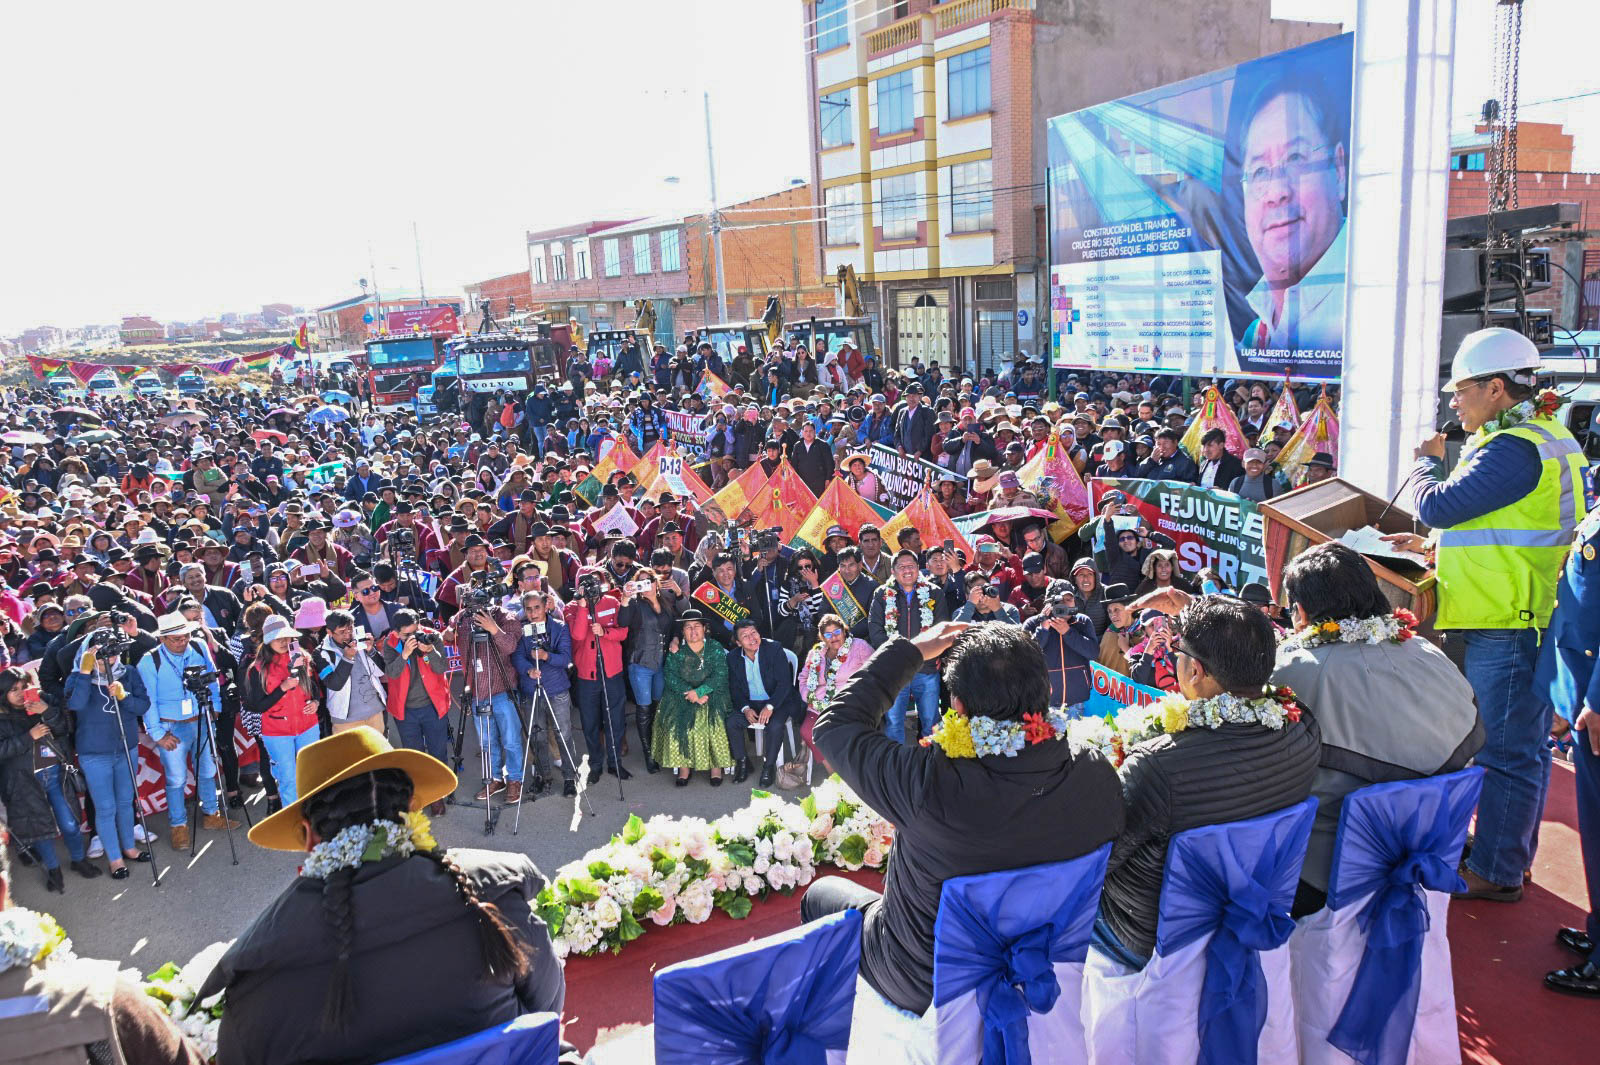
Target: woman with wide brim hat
{"type": "Point", "coordinates": [385, 944]}
{"type": "Point", "coordinates": [690, 727]}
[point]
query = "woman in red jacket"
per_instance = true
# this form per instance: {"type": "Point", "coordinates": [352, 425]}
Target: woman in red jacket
{"type": "Point", "coordinates": [278, 688]}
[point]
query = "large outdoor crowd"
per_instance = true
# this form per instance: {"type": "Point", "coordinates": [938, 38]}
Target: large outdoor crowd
{"type": "Point", "coordinates": [233, 568]}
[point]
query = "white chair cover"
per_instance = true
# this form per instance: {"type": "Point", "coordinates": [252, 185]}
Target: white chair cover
{"type": "Point", "coordinates": [1394, 865]}
{"type": "Point", "coordinates": [1218, 989]}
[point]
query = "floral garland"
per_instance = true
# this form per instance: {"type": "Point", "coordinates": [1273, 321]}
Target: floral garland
{"type": "Point", "coordinates": [369, 843]}
{"type": "Point", "coordinates": [822, 670]}
{"type": "Point", "coordinates": [1116, 734]}
{"type": "Point", "coordinates": [177, 990]}
{"type": "Point", "coordinates": [891, 605]}
{"type": "Point", "coordinates": [680, 870]}
{"type": "Point", "coordinates": [29, 938]}
{"type": "Point", "coordinates": [960, 736]}
{"type": "Point", "coordinates": [1392, 628]}
{"type": "Point", "coordinates": [1543, 405]}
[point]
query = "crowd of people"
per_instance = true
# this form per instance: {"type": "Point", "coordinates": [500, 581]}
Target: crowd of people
{"type": "Point", "coordinates": [189, 573]}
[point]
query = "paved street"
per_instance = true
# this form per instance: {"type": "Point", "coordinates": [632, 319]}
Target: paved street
{"type": "Point", "coordinates": [206, 898]}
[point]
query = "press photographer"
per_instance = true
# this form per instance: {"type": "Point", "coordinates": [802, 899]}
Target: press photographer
{"type": "Point", "coordinates": [107, 700]}
{"type": "Point", "coordinates": [485, 635]}
{"type": "Point", "coordinates": [650, 607]}
{"type": "Point", "coordinates": [542, 658]}
{"type": "Point", "coordinates": [175, 724]}
{"type": "Point", "coordinates": [417, 690]}
{"type": "Point", "coordinates": [598, 634]}
{"type": "Point", "coordinates": [1069, 644]}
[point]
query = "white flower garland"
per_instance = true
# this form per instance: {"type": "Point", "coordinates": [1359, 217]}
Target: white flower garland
{"type": "Point", "coordinates": [891, 605]}
{"type": "Point", "coordinates": [823, 670]}
{"type": "Point", "coordinates": [28, 937]}
{"type": "Point", "coordinates": [1397, 627]}
{"type": "Point", "coordinates": [370, 842]}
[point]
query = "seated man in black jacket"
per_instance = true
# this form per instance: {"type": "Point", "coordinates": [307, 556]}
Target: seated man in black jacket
{"type": "Point", "coordinates": [761, 692]}
{"type": "Point", "coordinates": [954, 816]}
{"type": "Point", "coordinates": [1255, 763]}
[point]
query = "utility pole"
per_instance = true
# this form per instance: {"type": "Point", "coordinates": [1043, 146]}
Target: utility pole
{"type": "Point", "coordinates": [716, 225]}
{"type": "Point", "coordinates": [422, 291]}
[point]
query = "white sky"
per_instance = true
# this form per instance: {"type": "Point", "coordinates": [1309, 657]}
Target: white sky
{"type": "Point", "coordinates": [183, 159]}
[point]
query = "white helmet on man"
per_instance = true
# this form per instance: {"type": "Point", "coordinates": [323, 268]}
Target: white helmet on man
{"type": "Point", "coordinates": [1494, 351]}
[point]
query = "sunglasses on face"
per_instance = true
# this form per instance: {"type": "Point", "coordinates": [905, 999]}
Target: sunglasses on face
{"type": "Point", "coordinates": [831, 633]}
{"type": "Point", "coordinates": [368, 590]}
{"type": "Point", "coordinates": [75, 611]}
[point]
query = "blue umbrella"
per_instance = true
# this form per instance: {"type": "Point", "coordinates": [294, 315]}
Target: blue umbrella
{"type": "Point", "coordinates": [330, 415]}
{"type": "Point", "coordinates": [334, 395]}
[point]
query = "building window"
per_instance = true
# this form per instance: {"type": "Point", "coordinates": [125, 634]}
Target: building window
{"type": "Point", "coordinates": [537, 261]}
{"type": "Point", "coordinates": [671, 251]}
{"type": "Point", "coordinates": [898, 199]}
{"type": "Point", "coordinates": [833, 24]}
{"type": "Point", "coordinates": [641, 253]}
{"type": "Point", "coordinates": [967, 83]}
{"type": "Point", "coordinates": [842, 215]}
{"type": "Point", "coordinates": [1470, 161]}
{"type": "Point", "coordinates": [580, 260]}
{"type": "Point", "coordinates": [997, 337]}
{"type": "Point", "coordinates": [894, 103]}
{"type": "Point", "coordinates": [834, 119]}
{"type": "Point", "coordinates": [612, 250]}
{"type": "Point", "coordinates": [558, 261]}
{"type": "Point", "coordinates": [971, 197]}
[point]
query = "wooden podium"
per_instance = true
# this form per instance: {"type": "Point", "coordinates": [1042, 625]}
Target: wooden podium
{"type": "Point", "coordinates": [1327, 510]}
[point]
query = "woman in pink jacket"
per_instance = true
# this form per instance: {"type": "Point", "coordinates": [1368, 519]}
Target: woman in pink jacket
{"type": "Point", "coordinates": [827, 667]}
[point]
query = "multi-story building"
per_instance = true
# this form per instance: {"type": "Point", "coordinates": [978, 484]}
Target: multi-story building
{"type": "Point", "coordinates": [347, 324]}
{"type": "Point", "coordinates": [139, 329]}
{"type": "Point", "coordinates": [927, 135]}
{"type": "Point", "coordinates": [42, 339]}
{"type": "Point", "coordinates": [593, 271]}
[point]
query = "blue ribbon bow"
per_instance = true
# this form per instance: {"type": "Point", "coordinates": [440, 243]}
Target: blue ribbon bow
{"type": "Point", "coordinates": [1395, 841]}
{"type": "Point", "coordinates": [1235, 882]}
{"type": "Point", "coordinates": [1002, 935]}
{"type": "Point", "coordinates": [784, 1001]}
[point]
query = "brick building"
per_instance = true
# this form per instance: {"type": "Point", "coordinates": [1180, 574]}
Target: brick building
{"type": "Point", "coordinates": [340, 326]}
{"type": "Point", "coordinates": [504, 294]}
{"type": "Point", "coordinates": [927, 131]}
{"type": "Point", "coordinates": [592, 271]}
{"type": "Point", "coordinates": [139, 329]}
{"type": "Point", "coordinates": [1544, 154]}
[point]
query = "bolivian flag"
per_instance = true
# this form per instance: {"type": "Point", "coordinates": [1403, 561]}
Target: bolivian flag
{"type": "Point", "coordinates": [261, 360]}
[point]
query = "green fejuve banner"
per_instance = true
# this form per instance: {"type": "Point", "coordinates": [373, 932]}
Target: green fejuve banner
{"type": "Point", "coordinates": [1209, 527]}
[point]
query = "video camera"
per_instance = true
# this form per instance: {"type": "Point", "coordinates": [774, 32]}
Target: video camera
{"type": "Point", "coordinates": [485, 588]}
{"type": "Point", "coordinates": [197, 679]}
{"type": "Point", "coordinates": [402, 545]}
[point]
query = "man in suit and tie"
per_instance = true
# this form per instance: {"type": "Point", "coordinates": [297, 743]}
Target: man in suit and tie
{"type": "Point", "coordinates": [762, 692]}
{"type": "Point", "coordinates": [1567, 677]}
{"type": "Point", "coordinates": [914, 427]}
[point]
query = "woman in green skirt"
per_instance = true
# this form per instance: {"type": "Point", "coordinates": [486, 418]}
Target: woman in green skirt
{"type": "Point", "coordinates": [689, 731]}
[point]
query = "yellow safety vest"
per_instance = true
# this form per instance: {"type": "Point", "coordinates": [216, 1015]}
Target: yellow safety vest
{"type": "Point", "coordinates": [1499, 571]}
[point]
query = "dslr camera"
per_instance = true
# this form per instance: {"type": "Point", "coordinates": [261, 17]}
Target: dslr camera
{"type": "Point", "coordinates": [109, 644]}
{"type": "Point", "coordinates": [590, 587]}
{"type": "Point", "coordinates": [402, 544]}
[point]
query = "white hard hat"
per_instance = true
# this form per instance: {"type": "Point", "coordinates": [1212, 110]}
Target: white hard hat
{"type": "Point", "coordinates": [1494, 351]}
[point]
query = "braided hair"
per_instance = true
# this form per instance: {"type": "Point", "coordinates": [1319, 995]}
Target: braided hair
{"type": "Point", "coordinates": [385, 795]}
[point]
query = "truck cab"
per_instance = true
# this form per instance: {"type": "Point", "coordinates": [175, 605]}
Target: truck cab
{"type": "Point", "coordinates": [727, 339]}
{"type": "Point", "coordinates": [836, 331]}
{"type": "Point", "coordinates": [148, 384]}
{"type": "Point", "coordinates": [104, 383]}
{"type": "Point", "coordinates": [190, 383]}
{"type": "Point", "coordinates": [613, 342]}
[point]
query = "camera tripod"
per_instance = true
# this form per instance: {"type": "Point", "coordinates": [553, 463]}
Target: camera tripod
{"type": "Point", "coordinates": [208, 739]}
{"type": "Point", "coordinates": [579, 770]}
{"type": "Point", "coordinates": [613, 743]}
{"type": "Point", "coordinates": [480, 710]}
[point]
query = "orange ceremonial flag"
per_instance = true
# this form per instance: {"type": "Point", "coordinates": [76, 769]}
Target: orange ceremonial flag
{"type": "Point", "coordinates": [783, 503]}
{"type": "Point", "coordinates": [925, 515]}
{"type": "Point", "coordinates": [840, 505]}
{"type": "Point", "coordinates": [735, 497]}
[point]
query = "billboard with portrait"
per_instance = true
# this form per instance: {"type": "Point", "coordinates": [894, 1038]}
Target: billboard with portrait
{"type": "Point", "coordinates": [1199, 228]}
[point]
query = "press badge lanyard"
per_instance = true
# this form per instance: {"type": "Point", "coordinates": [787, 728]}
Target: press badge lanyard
{"type": "Point", "coordinates": [187, 706]}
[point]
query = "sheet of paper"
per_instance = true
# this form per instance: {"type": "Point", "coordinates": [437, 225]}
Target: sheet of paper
{"type": "Point", "coordinates": [1369, 541]}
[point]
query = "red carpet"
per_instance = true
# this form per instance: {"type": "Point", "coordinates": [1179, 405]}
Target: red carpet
{"type": "Point", "coordinates": [1501, 954]}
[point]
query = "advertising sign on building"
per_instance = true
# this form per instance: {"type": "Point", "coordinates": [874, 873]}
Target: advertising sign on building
{"type": "Point", "coordinates": [438, 321]}
{"type": "Point", "coordinates": [1199, 228]}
